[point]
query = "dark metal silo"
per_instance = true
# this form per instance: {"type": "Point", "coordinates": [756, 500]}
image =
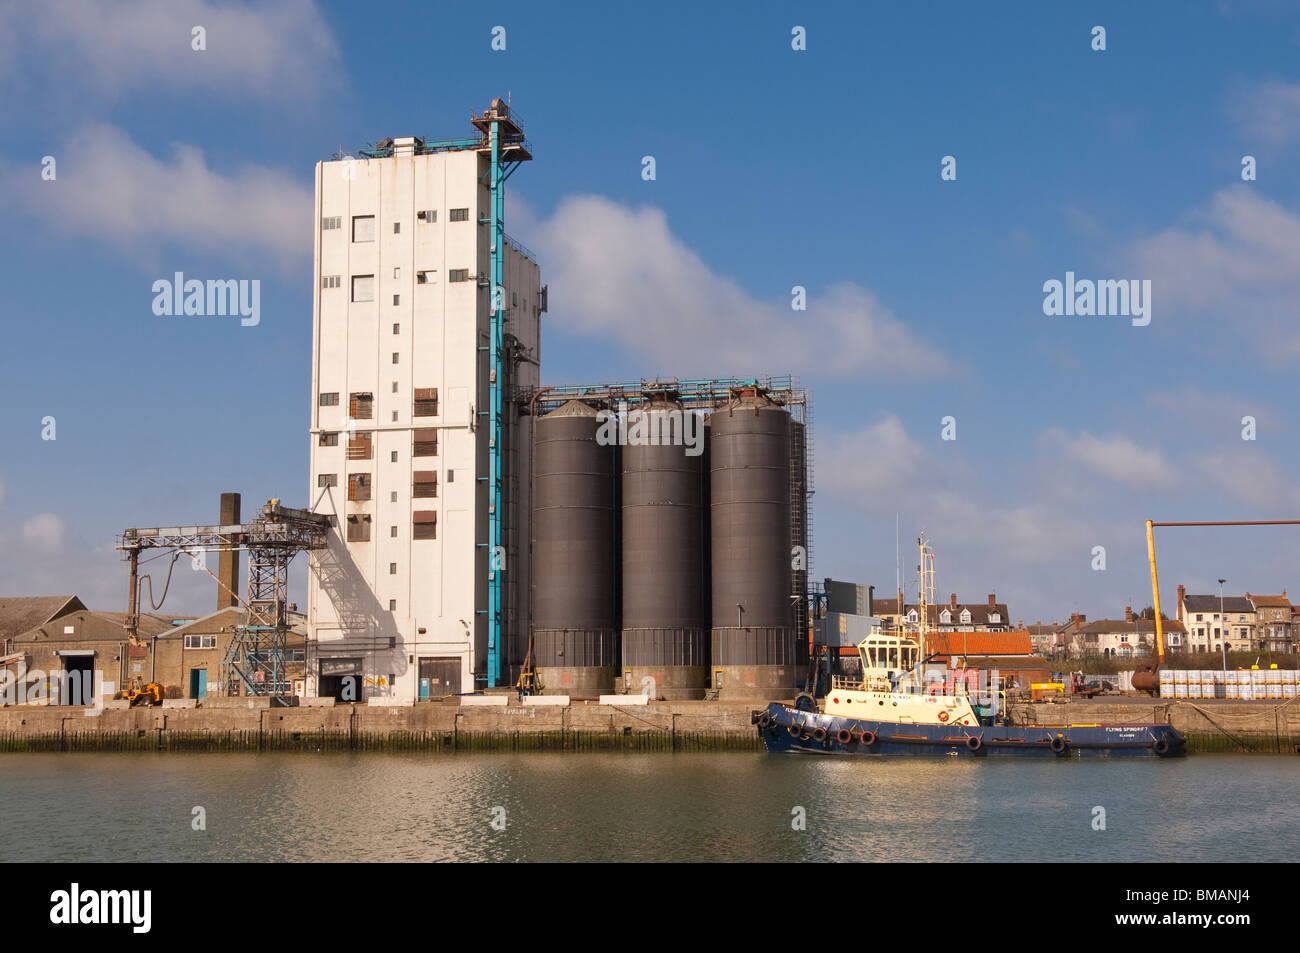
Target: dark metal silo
{"type": "Point", "coordinates": [665, 629]}
{"type": "Point", "coordinates": [575, 623]}
{"type": "Point", "coordinates": [753, 644]}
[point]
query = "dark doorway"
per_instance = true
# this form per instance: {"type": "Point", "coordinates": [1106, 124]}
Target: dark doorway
{"type": "Point", "coordinates": [439, 677]}
{"type": "Point", "coordinates": [340, 679]}
{"type": "Point", "coordinates": [78, 685]}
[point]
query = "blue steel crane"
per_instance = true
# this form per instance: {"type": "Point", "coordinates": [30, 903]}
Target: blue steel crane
{"type": "Point", "coordinates": [501, 139]}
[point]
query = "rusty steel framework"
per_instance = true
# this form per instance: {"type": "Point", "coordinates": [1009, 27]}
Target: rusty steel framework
{"type": "Point", "coordinates": [257, 655]}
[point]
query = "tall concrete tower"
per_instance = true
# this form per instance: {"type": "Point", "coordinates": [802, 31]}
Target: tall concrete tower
{"type": "Point", "coordinates": [416, 443]}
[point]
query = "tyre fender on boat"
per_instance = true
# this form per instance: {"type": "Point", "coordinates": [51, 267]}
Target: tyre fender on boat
{"type": "Point", "coordinates": [1160, 745]}
{"type": "Point", "coordinates": [974, 743]}
{"type": "Point", "coordinates": [844, 736]}
{"type": "Point", "coordinates": [1059, 745]}
{"type": "Point", "coordinates": [867, 738]}
{"type": "Point", "coordinates": [819, 734]}
{"type": "Point", "coordinates": [805, 702]}
{"type": "Point", "coordinates": [765, 721]}
{"type": "Point", "coordinates": [794, 729]}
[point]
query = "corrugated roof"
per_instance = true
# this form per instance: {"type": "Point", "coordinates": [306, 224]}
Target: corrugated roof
{"type": "Point", "coordinates": [150, 625]}
{"type": "Point", "coordinates": [20, 613]}
{"type": "Point", "coordinates": [979, 643]}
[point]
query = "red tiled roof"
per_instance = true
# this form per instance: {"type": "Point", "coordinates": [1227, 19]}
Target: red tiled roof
{"type": "Point", "coordinates": [1272, 602]}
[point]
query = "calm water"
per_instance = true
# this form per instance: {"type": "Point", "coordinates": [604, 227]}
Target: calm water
{"type": "Point", "coordinates": [644, 807]}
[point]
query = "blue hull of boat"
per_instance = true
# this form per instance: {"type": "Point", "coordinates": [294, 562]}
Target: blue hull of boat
{"type": "Point", "coordinates": [800, 732]}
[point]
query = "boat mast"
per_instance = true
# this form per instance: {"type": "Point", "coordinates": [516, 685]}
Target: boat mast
{"type": "Point", "coordinates": [925, 596]}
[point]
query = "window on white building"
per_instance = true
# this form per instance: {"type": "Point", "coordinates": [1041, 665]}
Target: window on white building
{"type": "Point", "coordinates": [363, 288]}
{"type": "Point", "coordinates": [363, 228]}
{"type": "Point", "coordinates": [331, 281]}
{"type": "Point", "coordinates": [459, 215]}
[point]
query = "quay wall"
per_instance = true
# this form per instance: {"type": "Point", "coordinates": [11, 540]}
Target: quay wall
{"type": "Point", "coordinates": [1237, 726]}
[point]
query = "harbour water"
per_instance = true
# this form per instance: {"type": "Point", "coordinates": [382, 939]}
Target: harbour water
{"type": "Point", "coordinates": [566, 807]}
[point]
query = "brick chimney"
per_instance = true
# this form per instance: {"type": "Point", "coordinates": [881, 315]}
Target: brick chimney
{"type": "Point", "coordinates": [1182, 593]}
{"type": "Point", "coordinates": [1128, 613]}
{"type": "Point", "coordinates": [993, 599]}
{"type": "Point", "coordinates": [953, 600]}
{"type": "Point", "coordinates": [228, 562]}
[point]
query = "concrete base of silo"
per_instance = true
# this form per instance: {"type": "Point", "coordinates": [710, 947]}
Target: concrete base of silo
{"type": "Point", "coordinates": [755, 682]}
{"type": "Point", "coordinates": [588, 681]}
{"type": "Point", "coordinates": [672, 683]}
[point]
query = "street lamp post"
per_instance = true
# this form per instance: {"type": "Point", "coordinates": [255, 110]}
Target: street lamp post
{"type": "Point", "coordinates": [1223, 626]}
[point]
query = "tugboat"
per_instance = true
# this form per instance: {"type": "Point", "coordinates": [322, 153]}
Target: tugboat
{"type": "Point", "coordinates": [892, 710]}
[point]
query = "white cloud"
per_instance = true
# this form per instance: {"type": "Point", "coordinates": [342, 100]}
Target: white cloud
{"type": "Point", "coordinates": [1237, 259]}
{"type": "Point", "coordinates": [1114, 457]}
{"type": "Point", "coordinates": [112, 189]}
{"type": "Point", "coordinates": [106, 47]}
{"type": "Point", "coordinates": [876, 458]}
{"type": "Point", "coordinates": [44, 531]}
{"type": "Point", "coordinates": [1248, 475]}
{"type": "Point", "coordinates": [621, 273]}
{"type": "Point", "coordinates": [1269, 111]}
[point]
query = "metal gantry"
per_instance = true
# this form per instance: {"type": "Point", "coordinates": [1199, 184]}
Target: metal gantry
{"type": "Point", "coordinates": [257, 655]}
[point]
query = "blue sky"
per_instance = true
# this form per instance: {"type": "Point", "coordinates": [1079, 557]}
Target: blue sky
{"type": "Point", "coordinates": [774, 168]}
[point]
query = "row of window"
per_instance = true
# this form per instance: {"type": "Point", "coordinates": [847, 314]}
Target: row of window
{"type": "Point", "coordinates": [424, 485]}
{"type": "Point", "coordinates": [200, 641]}
{"type": "Point", "coordinates": [363, 226]}
{"type": "Point", "coordinates": [363, 286]}
{"type": "Point", "coordinates": [424, 525]}
{"type": "Point", "coordinates": [361, 405]}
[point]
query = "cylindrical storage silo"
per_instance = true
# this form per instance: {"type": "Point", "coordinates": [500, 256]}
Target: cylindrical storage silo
{"type": "Point", "coordinates": [665, 629]}
{"type": "Point", "coordinates": [575, 623]}
{"type": "Point", "coordinates": [753, 638]}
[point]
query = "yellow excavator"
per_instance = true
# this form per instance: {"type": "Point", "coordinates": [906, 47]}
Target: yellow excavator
{"type": "Point", "coordinates": [141, 695]}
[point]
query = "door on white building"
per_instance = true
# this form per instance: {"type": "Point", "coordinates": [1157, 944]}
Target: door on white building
{"type": "Point", "coordinates": [439, 677]}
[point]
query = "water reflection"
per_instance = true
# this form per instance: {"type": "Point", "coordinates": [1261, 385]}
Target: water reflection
{"type": "Point", "coordinates": [641, 807]}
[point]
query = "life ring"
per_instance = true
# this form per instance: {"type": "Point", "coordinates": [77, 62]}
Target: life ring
{"type": "Point", "coordinates": [943, 715]}
{"type": "Point", "coordinates": [1059, 745]}
{"type": "Point", "coordinates": [819, 734]}
{"type": "Point", "coordinates": [844, 736]}
{"type": "Point", "coordinates": [974, 743]}
{"type": "Point", "coordinates": [868, 738]}
{"type": "Point", "coordinates": [1161, 745]}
